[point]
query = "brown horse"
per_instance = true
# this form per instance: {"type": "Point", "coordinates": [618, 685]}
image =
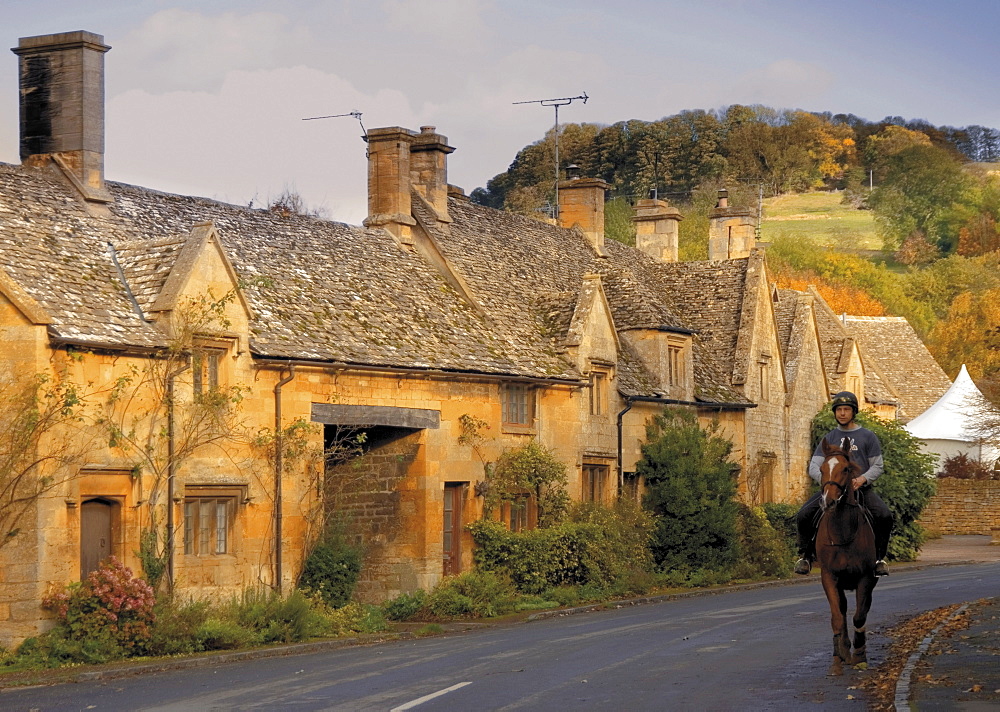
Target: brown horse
{"type": "Point", "coordinates": [845, 551]}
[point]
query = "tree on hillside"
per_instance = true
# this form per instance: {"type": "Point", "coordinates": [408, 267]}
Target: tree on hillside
{"type": "Point", "coordinates": [921, 184]}
{"type": "Point", "coordinates": [968, 335]}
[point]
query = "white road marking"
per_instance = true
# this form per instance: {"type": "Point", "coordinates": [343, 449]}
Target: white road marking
{"type": "Point", "coordinates": [426, 698]}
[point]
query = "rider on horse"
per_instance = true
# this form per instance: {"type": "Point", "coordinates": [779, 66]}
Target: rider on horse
{"type": "Point", "coordinates": [865, 451]}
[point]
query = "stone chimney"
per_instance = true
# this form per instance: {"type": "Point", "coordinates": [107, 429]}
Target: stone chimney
{"type": "Point", "coordinates": [731, 231]}
{"type": "Point", "coordinates": [656, 229]}
{"type": "Point", "coordinates": [62, 107]}
{"type": "Point", "coordinates": [429, 169]}
{"type": "Point", "coordinates": [581, 204]}
{"type": "Point", "coordinates": [389, 202]}
{"type": "Point", "coordinates": [400, 160]}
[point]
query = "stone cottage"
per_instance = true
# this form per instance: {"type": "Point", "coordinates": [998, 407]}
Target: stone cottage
{"type": "Point", "coordinates": [213, 352]}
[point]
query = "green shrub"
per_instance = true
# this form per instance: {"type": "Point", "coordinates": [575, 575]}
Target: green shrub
{"type": "Point", "coordinates": [764, 552]}
{"type": "Point", "coordinates": [354, 618]}
{"type": "Point", "coordinates": [332, 570]}
{"type": "Point", "coordinates": [176, 629]}
{"type": "Point", "coordinates": [601, 545]}
{"type": "Point", "coordinates": [447, 602]}
{"type": "Point", "coordinates": [218, 634]}
{"type": "Point", "coordinates": [110, 615]}
{"type": "Point", "coordinates": [781, 516]}
{"type": "Point", "coordinates": [564, 595]}
{"type": "Point", "coordinates": [531, 468]}
{"type": "Point", "coordinates": [474, 594]}
{"type": "Point", "coordinates": [691, 490]}
{"type": "Point", "coordinates": [405, 605]}
{"type": "Point", "coordinates": [906, 485]}
{"type": "Point", "coordinates": [274, 618]}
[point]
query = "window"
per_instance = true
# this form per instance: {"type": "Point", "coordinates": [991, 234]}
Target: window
{"type": "Point", "coordinates": [630, 486]}
{"type": "Point", "coordinates": [595, 479]}
{"type": "Point", "coordinates": [518, 514]}
{"type": "Point", "coordinates": [675, 366]}
{"type": "Point", "coordinates": [518, 405]}
{"type": "Point", "coordinates": [208, 524]}
{"type": "Point", "coordinates": [598, 392]}
{"type": "Point", "coordinates": [205, 366]}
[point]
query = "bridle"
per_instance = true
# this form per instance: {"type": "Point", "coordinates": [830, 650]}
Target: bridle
{"type": "Point", "coordinates": [844, 489]}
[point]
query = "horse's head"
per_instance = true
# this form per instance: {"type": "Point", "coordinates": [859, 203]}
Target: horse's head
{"type": "Point", "coordinates": [837, 472]}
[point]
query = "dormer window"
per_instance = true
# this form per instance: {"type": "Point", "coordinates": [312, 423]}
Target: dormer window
{"type": "Point", "coordinates": [205, 369]}
{"type": "Point", "coordinates": [675, 365]}
{"type": "Point", "coordinates": [764, 363]}
{"type": "Point", "coordinates": [600, 379]}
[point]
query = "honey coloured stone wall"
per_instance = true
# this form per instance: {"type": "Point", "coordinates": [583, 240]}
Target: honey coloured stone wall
{"type": "Point", "coordinates": [963, 507]}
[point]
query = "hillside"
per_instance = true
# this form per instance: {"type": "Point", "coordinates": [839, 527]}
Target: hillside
{"type": "Point", "coordinates": [819, 215]}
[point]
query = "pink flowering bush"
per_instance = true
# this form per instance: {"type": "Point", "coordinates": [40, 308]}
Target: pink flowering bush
{"type": "Point", "coordinates": [110, 613]}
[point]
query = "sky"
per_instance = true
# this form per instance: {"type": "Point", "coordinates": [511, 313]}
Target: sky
{"type": "Point", "coordinates": [208, 97]}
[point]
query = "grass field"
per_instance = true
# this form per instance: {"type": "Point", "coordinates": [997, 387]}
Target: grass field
{"type": "Point", "coordinates": [820, 215]}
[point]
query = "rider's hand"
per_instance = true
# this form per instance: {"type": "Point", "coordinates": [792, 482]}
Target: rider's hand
{"type": "Point", "coordinates": [858, 482]}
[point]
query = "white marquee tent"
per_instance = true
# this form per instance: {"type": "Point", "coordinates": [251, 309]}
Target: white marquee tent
{"type": "Point", "coordinates": [947, 428]}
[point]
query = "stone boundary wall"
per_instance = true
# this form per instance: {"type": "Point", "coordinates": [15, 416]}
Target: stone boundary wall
{"type": "Point", "coordinates": [963, 507]}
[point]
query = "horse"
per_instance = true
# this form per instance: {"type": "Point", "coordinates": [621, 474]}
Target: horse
{"type": "Point", "coordinates": [845, 551]}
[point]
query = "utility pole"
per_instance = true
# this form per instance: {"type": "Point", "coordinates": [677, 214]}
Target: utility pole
{"type": "Point", "coordinates": [556, 103]}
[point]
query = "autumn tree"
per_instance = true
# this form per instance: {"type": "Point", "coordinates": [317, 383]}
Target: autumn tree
{"type": "Point", "coordinates": [969, 335]}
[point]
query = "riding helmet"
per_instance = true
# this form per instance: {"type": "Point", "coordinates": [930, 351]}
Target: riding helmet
{"type": "Point", "coordinates": [845, 398]}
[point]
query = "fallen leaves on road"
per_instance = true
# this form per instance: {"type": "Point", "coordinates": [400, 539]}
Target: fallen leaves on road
{"type": "Point", "coordinates": [880, 684]}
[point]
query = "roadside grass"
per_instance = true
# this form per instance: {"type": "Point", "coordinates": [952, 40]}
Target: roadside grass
{"type": "Point", "coordinates": [822, 216]}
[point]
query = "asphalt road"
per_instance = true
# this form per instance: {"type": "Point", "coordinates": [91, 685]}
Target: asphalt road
{"type": "Point", "coordinates": [761, 649]}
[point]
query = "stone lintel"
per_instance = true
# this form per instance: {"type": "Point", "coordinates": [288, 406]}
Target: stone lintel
{"type": "Point", "coordinates": [368, 415]}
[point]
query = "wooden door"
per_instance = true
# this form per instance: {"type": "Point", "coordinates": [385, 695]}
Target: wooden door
{"type": "Point", "coordinates": [95, 534]}
{"type": "Point", "coordinates": [453, 493]}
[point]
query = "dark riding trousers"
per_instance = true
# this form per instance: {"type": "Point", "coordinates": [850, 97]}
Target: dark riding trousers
{"type": "Point", "coordinates": [882, 521]}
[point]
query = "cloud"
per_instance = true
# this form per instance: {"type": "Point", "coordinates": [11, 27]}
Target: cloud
{"type": "Point", "coordinates": [451, 21]}
{"type": "Point", "coordinates": [785, 83]}
{"type": "Point", "coordinates": [248, 140]}
{"type": "Point", "coordinates": [180, 49]}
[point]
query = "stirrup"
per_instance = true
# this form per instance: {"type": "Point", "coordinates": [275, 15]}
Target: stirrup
{"type": "Point", "coordinates": [881, 569]}
{"type": "Point", "coordinates": [802, 566]}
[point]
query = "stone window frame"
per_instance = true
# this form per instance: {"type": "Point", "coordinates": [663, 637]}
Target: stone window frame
{"type": "Point", "coordinates": [599, 387]}
{"type": "Point", "coordinates": [594, 489]}
{"type": "Point", "coordinates": [207, 371]}
{"type": "Point", "coordinates": [195, 497]}
{"type": "Point", "coordinates": [518, 406]}
{"type": "Point", "coordinates": [764, 366]}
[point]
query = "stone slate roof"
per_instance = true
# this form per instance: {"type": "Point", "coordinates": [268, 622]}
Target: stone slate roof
{"type": "Point", "coordinates": [794, 321]}
{"type": "Point", "coordinates": [58, 254]}
{"type": "Point", "coordinates": [501, 255]}
{"type": "Point", "coordinates": [322, 290]}
{"type": "Point", "coordinates": [836, 342]}
{"type": "Point", "coordinates": [903, 360]}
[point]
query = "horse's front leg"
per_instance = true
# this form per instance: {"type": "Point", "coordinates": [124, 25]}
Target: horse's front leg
{"type": "Point", "coordinates": [864, 604]}
{"type": "Point", "coordinates": [838, 616]}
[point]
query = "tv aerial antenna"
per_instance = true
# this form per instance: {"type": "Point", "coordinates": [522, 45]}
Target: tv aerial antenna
{"type": "Point", "coordinates": [556, 103]}
{"type": "Point", "coordinates": [355, 114]}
